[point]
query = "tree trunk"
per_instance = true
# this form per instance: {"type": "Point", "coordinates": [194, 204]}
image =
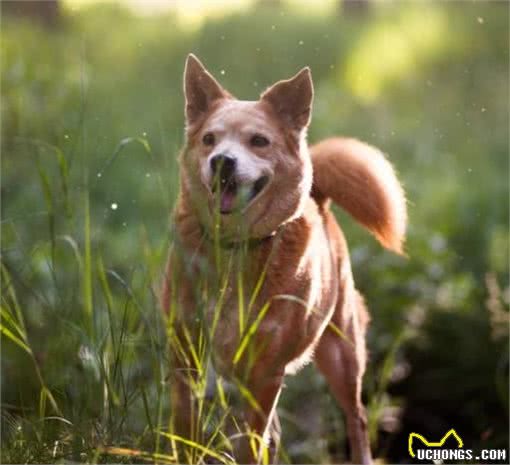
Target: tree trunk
{"type": "Point", "coordinates": [355, 7]}
{"type": "Point", "coordinates": [46, 12]}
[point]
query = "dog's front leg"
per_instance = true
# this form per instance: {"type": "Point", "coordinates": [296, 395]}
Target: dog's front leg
{"type": "Point", "coordinates": [260, 416]}
{"type": "Point", "coordinates": [183, 382]}
{"type": "Point", "coordinates": [185, 369]}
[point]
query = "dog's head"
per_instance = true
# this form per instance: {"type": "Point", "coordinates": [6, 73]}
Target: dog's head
{"type": "Point", "coordinates": [246, 166]}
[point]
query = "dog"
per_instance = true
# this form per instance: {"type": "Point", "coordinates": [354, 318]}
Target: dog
{"type": "Point", "coordinates": [260, 269]}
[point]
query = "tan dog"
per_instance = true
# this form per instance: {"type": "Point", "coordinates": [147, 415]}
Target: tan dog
{"type": "Point", "coordinates": [260, 271]}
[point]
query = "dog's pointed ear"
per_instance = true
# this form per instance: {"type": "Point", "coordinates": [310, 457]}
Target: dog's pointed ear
{"type": "Point", "coordinates": [292, 99]}
{"type": "Point", "coordinates": [200, 90]}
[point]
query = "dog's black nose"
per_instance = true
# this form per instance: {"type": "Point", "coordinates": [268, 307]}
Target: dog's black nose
{"type": "Point", "coordinates": [224, 165]}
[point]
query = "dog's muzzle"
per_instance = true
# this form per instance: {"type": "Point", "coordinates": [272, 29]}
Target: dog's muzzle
{"type": "Point", "coordinates": [234, 193]}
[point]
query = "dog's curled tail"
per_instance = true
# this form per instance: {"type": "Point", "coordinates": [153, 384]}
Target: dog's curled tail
{"type": "Point", "coordinates": [358, 177]}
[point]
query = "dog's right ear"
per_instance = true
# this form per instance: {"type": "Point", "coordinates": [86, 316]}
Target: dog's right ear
{"type": "Point", "coordinates": [200, 90]}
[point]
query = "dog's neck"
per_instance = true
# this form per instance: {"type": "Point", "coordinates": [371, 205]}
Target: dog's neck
{"type": "Point", "coordinates": [242, 244]}
{"type": "Point", "coordinates": [195, 236]}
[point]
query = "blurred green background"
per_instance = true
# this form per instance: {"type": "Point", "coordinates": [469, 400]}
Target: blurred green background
{"type": "Point", "coordinates": [92, 121]}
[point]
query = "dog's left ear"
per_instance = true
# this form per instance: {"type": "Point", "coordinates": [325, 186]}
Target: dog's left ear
{"type": "Point", "coordinates": [292, 99]}
{"type": "Point", "coordinates": [200, 90]}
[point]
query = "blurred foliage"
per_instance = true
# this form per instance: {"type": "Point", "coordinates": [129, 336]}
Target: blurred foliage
{"type": "Point", "coordinates": [92, 122]}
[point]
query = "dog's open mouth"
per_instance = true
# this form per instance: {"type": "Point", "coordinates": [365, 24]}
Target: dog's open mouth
{"type": "Point", "coordinates": [233, 195]}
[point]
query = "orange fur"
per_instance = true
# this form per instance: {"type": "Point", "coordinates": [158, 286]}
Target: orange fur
{"type": "Point", "coordinates": [358, 177]}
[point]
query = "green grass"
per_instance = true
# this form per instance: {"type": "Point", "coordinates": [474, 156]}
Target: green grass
{"type": "Point", "coordinates": [92, 122]}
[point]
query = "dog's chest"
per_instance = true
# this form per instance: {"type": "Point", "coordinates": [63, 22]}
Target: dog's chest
{"type": "Point", "coordinates": [227, 318]}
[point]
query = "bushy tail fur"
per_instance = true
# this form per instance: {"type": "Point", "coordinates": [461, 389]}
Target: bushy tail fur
{"type": "Point", "coordinates": [358, 177]}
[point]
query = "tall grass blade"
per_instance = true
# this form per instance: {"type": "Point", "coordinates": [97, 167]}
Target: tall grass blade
{"type": "Point", "coordinates": [252, 329]}
{"type": "Point", "coordinates": [7, 286]}
{"type": "Point", "coordinates": [196, 446]}
{"type": "Point", "coordinates": [87, 269]}
{"type": "Point", "coordinates": [16, 340]}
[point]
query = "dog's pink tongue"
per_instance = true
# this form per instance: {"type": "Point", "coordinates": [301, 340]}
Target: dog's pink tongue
{"type": "Point", "coordinates": [227, 201]}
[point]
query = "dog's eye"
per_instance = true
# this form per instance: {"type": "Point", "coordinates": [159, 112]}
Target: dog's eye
{"type": "Point", "coordinates": [259, 141]}
{"type": "Point", "coordinates": [208, 138]}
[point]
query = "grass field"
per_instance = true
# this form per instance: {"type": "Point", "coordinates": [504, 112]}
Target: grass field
{"type": "Point", "coordinates": [92, 122]}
